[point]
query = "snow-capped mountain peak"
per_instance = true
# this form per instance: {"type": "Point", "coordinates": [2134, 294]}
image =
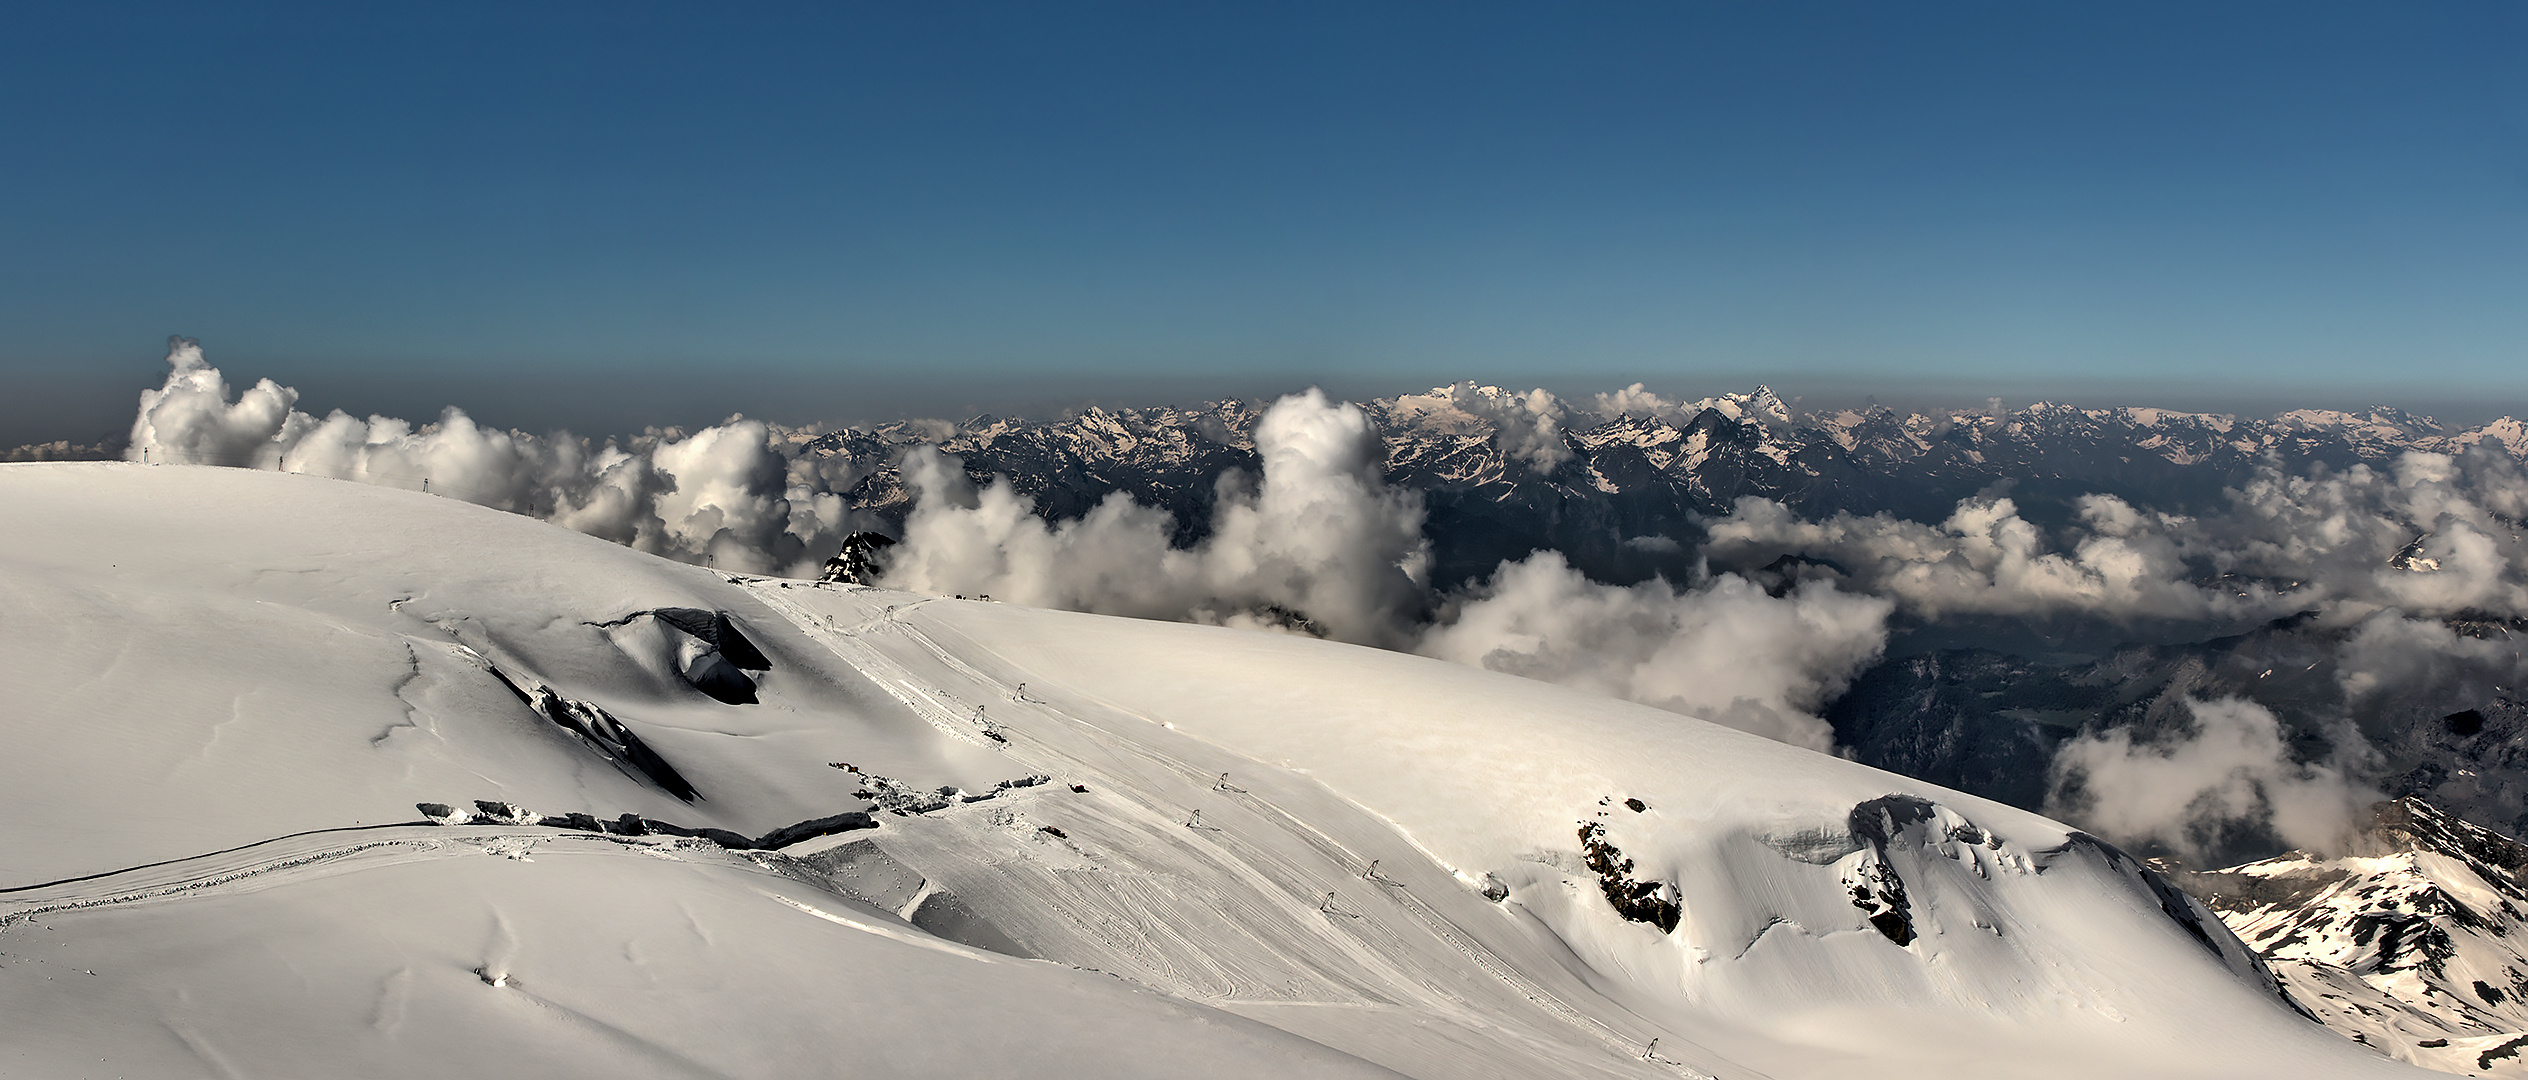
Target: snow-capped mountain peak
{"type": "Point", "coordinates": [1544, 472]}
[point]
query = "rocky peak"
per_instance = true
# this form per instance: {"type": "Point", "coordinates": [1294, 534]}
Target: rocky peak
{"type": "Point", "coordinates": [2415, 943]}
{"type": "Point", "coordinates": [2410, 824]}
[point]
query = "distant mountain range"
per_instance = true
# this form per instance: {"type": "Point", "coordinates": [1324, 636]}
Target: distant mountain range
{"type": "Point", "coordinates": [1620, 484]}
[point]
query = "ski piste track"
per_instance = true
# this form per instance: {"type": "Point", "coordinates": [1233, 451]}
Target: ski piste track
{"type": "Point", "coordinates": [1031, 746]}
{"type": "Point", "coordinates": [1307, 896]}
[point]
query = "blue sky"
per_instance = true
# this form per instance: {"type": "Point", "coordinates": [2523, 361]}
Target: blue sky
{"type": "Point", "coordinates": [595, 214]}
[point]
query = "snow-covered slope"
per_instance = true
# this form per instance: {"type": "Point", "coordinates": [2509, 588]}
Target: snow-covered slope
{"type": "Point", "coordinates": [1124, 848]}
{"type": "Point", "coordinates": [2416, 944]}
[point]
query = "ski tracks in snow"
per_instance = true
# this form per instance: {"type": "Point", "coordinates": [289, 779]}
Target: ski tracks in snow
{"type": "Point", "coordinates": [1375, 946]}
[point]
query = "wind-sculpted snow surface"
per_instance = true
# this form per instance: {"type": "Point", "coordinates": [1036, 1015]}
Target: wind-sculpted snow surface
{"type": "Point", "coordinates": [1157, 849]}
{"type": "Point", "coordinates": [2024, 943]}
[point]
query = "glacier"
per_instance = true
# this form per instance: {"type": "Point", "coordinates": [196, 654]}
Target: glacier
{"type": "Point", "coordinates": [1102, 846]}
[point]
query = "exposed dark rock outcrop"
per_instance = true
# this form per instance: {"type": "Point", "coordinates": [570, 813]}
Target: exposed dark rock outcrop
{"type": "Point", "coordinates": [1880, 894]}
{"type": "Point", "coordinates": [811, 829]}
{"type": "Point", "coordinates": [1875, 886]}
{"type": "Point", "coordinates": [1652, 902]}
{"type": "Point", "coordinates": [491, 812]}
{"type": "Point", "coordinates": [862, 559]}
{"type": "Point", "coordinates": [898, 798]}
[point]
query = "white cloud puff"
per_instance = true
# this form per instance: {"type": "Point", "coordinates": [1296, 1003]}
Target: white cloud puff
{"type": "Point", "coordinates": [1320, 538]}
{"type": "Point", "coordinates": [1726, 651]}
{"type": "Point", "coordinates": [2191, 791]}
{"type": "Point", "coordinates": [722, 494]}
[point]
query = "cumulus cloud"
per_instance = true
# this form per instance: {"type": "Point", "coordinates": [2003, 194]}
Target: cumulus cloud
{"type": "Point", "coordinates": [1986, 559]}
{"type": "Point", "coordinates": [2203, 792]}
{"type": "Point", "coordinates": [2390, 660]}
{"type": "Point", "coordinates": [2431, 536]}
{"type": "Point", "coordinates": [1726, 651]}
{"type": "Point", "coordinates": [1320, 538]}
{"type": "Point", "coordinates": [191, 418]}
{"type": "Point", "coordinates": [722, 494]}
